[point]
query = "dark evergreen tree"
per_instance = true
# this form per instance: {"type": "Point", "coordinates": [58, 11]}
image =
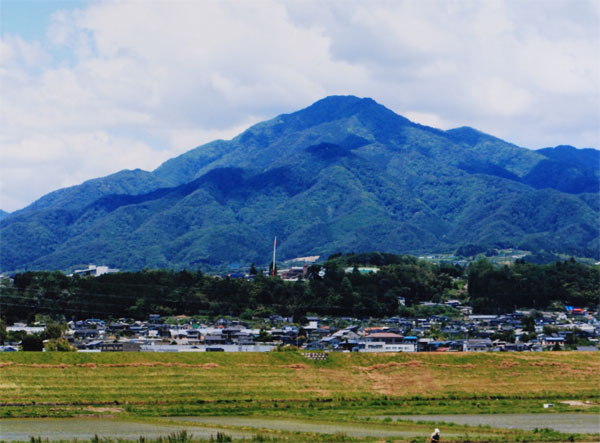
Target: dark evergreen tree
{"type": "Point", "coordinates": [32, 342]}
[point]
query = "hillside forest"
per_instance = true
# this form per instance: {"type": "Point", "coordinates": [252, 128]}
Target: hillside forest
{"type": "Point", "coordinates": [344, 174]}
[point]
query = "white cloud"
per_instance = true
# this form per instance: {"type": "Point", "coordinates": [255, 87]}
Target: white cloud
{"type": "Point", "coordinates": [496, 97]}
{"type": "Point", "coordinates": [428, 119]}
{"type": "Point", "coordinates": [127, 84]}
{"type": "Point", "coordinates": [40, 163]}
{"type": "Point", "coordinates": [196, 137]}
{"type": "Point", "coordinates": [16, 51]}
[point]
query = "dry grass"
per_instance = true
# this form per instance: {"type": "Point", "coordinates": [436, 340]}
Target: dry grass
{"type": "Point", "coordinates": [144, 378]}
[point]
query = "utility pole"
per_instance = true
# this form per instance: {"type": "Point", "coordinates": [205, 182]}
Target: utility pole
{"type": "Point", "coordinates": [273, 272]}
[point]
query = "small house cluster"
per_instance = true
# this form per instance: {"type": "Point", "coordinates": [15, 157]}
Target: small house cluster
{"type": "Point", "coordinates": [472, 333]}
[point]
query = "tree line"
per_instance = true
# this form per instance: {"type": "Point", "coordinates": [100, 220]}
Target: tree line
{"type": "Point", "coordinates": [327, 289]}
{"type": "Point", "coordinates": [494, 289]}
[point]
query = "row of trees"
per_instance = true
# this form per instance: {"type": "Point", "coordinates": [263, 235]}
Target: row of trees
{"type": "Point", "coordinates": [328, 289]}
{"type": "Point", "coordinates": [495, 289]}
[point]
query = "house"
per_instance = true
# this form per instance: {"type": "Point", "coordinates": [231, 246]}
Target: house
{"type": "Point", "coordinates": [348, 345]}
{"type": "Point", "coordinates": [346, 334]}
{"type": "Point", "coordinates": [578, 312]}
{"type": "Point", "coordinates": [230, 331]}
{"type": "Point", "coordinates": [178, 333]}
{"type": "Point", "coordinates": [92, 345]}
{"type": "Point", "coordinates": [86, 333]}
{"type": "Point", "coordinates": [313, 346]}
{"type": "Point", "coordinates": [477, 345]}
{"type": "Point", "coordinates": [214, 339]}
{"type": "Point", "coordinates": [316, 334]}
{"type": "Point", "coordinates": [466, 310]}
{"type": "Point", "coordinates": [28, 329]}
{"type": "Point", "coordinates": [313, 322]}
{"type": "Point", "coordinates": [158, 331]}
{"type": "Point", "coordinates": [410, 339]}
{"type": "Point", "coordinates": [193, 334]}
{"type": "Point", "coordinates": [553, 341]}
{"type": "Point", "coordinates": [385, 337]}
{"type": "Point", "coordinates": [484, 319]}
{"type": "Point", "coordinates": [277, 319]}
{"type": "Point", "coordinates": [362, 270]}
{"type": "Point", "coordinates": [119, 326]}
{"type": "Point", "coordinates": [8, 348]}
{"type": "Point", "coordinates": [452, 332]}
{"type": "Point", "coordinates": [243, 338]}
{"type": "Point", "coordinates": [94, 271]}
{"type": "Point", "coordinates": [344, 339]}
{"type": "Point", "coordinates": [294, 273]}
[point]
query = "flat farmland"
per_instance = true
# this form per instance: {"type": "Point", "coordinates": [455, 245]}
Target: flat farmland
{"type": "Point", "coordinates": [286, 397]}
{"type": "Point", "coordinates": [188, 381]}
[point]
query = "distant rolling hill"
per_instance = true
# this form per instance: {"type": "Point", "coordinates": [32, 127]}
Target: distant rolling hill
{"type": "Point", "coordinates": [344, 174]}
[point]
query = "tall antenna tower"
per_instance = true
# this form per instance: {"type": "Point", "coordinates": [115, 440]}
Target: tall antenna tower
{"type": "Point", "coordinates": [273, 272]}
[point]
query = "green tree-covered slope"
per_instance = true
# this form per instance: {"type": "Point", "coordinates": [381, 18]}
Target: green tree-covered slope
{"type": "Point", "coordinates": [344, 174]}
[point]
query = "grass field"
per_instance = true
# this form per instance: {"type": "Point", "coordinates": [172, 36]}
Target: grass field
{"type": "Point", "coordinates": [345, 388]}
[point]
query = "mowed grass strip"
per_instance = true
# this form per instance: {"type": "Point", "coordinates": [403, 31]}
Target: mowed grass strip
{"type": "Point", "coordinates": [186, 378]}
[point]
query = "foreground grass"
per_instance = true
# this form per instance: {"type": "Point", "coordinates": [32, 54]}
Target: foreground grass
{"type": "Point", "coordinates": [287, 378]}
{"type": "Point", "coordinates": [344, 389]}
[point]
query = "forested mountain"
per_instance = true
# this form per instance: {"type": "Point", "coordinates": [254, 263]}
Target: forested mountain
{"type": "Point", "coordinates": [344, 174]}
{"type": "Point", "coordinates": [568, 169]}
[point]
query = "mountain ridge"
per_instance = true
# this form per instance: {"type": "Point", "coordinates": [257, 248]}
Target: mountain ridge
{"type": "Point", "coordinates": [342, 174]}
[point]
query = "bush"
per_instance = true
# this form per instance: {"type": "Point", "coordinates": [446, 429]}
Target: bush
{"type": "Point", "coordinates": [53, 331]}
{"type": "Point", "coordinates": [32, 342]}
{"type": "Point", "coordinates": [286, 348]}
{"type": "Point", "coordinates": [60, 345]}
{"type": "Point", "coordinates": [175, 437]}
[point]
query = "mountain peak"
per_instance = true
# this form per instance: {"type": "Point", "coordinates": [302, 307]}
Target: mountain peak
{"type": "Point", "coordinates": [345, 173]}
{"type": "Point", "coordinates": [337, 106]}
{"type": "Point", "coordinates": [344, 101]}
{"type": "Point", "coordinates": [587, 158]}
{"type": "Point", "coordinates": [468, 135]}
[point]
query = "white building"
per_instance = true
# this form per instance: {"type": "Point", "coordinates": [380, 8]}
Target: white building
{"type": "Point", "coordinates": [94, 271]}
{"type": "Point", "coordinates": [380, 346]}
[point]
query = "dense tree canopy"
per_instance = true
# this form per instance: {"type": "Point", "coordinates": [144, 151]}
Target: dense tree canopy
{"type": "Point", "coordinates": [498, 289]}
{"type": "Point", "coordinates": [336, 287]}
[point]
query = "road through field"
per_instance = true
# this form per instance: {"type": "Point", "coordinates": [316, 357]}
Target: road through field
{"type": "Point", "coordinates": [352, 430]}
{"type": "Point", "coordinates": [577, 423]}
{"type": "Point", "coordinates": [70, 429]}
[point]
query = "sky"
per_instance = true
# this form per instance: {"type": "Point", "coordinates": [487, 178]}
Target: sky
{"type": "Point", "coordinates": [88, 88]}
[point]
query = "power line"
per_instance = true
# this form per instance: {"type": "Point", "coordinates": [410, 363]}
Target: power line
{"type": "Point", "coordinates": [49, 308]}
